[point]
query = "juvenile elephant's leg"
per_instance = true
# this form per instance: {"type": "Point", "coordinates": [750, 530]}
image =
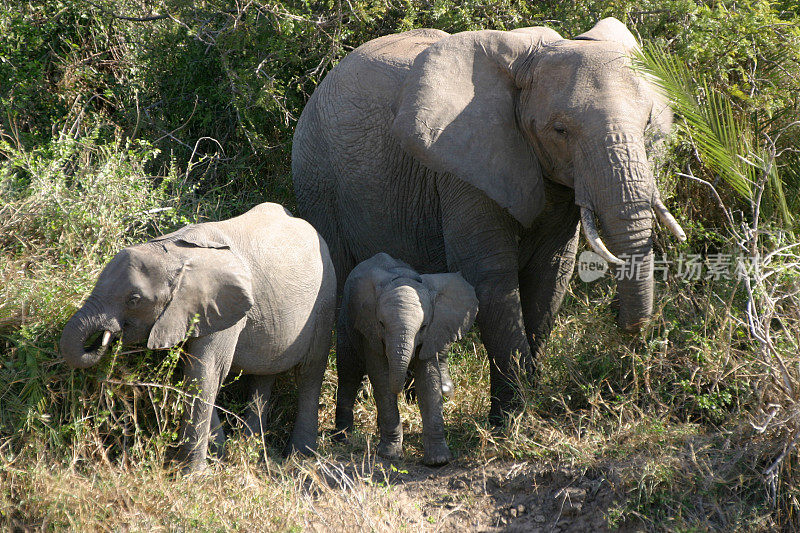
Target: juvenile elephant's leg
{"type": "Point", "coordinates": [481, 242]}
{"type": "Point", "coordinates": [429, 395]}
{"type": "Point", "coordinates": [350, 369]}
{"type": "Point", "coordinates": [309, 375]}
{"type": "Point", "coordinates": [389, 424]}
{"type": "Point", "coordinates": [208, 362]}
{"type": "Point", "coordinates": [549, 260]}
{"type": "Point", "coordinates": [260, 390]}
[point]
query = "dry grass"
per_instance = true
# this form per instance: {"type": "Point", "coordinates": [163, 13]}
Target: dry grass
{"type": "Point", "coordinates": [657, 430]}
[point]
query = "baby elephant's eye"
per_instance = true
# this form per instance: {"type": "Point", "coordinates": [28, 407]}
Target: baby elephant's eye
{"type": "Point", "coordinates": [133, 300]}
{"type": "Point", "coordinates": [559, 128]}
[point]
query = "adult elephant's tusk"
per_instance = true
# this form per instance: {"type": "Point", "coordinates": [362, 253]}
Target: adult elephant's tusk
{"type": "Point", "coordinates": [668, 220]}
{"type": "Point", "coordinates": [597, 244]}
{"type": "Point", "coordinates": [106, 338]}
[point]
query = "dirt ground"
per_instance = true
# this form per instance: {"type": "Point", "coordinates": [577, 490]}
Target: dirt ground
{"type": "Point", "coordinates": [498, 496]}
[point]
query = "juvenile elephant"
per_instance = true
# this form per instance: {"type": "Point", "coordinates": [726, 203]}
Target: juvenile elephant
{"type": "Point", "coordinates": [255, 293]}
{"type": "Point", "coordinates": [480, 152]}
{"type": "Point", "coordinates": [391, 318]}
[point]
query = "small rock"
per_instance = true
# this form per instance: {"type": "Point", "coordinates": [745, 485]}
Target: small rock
{"type": "Point", "coordinates": [520, 509]}
{"type": "Point", "coordinates": [539, 519]}
{"type": "Point", "coordinates": [457, 484]}
{"type": "Point", "coordinates": [571, 500]}
{"type": "Point", "coordinates": [513, 512]}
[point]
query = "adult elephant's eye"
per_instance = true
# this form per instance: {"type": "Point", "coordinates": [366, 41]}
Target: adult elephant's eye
{"type": "Point", "coordinates": [559, 128]}
{"type": "Point", "coordinates": [133, 300]}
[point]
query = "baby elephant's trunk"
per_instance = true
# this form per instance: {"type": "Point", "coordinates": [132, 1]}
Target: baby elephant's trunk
{"type": "Point", "coordinates": [399, 350]}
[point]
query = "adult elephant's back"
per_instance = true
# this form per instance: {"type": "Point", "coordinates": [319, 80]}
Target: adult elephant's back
{"type": "Point", "coordinates": [352, 179]}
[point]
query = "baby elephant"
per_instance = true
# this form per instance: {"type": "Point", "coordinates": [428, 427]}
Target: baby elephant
{"type": "Point", "coordinates": [255, 294]}
{"type": "Point", "coordinates": [392, 318]}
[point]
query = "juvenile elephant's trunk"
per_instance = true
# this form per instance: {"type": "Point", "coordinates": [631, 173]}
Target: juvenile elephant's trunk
{"type": "Point", "coordinates": [87, 321]}
{"type": "Point", "coordinates": [399, 350]}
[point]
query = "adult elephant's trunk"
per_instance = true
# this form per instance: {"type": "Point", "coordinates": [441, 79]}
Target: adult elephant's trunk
{"type": "Point", "coordinates": [399, 350]}
{"type": "Point", "coordinates": [86, 322]}
{"type": "Point", "coordinates": [621, 191]}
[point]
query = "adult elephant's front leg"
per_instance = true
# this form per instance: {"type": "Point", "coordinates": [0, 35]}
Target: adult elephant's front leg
{"type": "Point", "coordinates": [481, 242]}
{"type": "Point", "coordinates": [503, 334]}
{"type": "Point", "coordinates": [547, 263]}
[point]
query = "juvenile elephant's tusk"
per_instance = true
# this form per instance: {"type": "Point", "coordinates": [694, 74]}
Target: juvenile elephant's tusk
{"type": "Point", "coordinates": [668, 220]}
{"type": "Point", "coordinates": [106, 338]}
{"type": "Point", "coordinates": [597, 244]}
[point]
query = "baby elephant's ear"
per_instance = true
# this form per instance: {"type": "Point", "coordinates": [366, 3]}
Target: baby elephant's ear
{"type": "Point", "coordinates": [454, 309]}
{"type": "Point", "coordinates": [213, 287]}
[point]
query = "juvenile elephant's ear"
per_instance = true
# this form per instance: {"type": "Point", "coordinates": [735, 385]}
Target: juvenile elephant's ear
{"type": "Point", "coordinates": [457, 114]}
{"type": "Point", "coordinates": [454, 309]}
{"type": "Point", "coordinates": [213, 286]}
{"type": "Point", "coordinates": [201, 236]}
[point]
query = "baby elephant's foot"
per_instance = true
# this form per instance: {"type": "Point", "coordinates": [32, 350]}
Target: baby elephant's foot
{"type": "Point", "coordinates": [390, 450]}
{"type": "Point", "coordinates": [437, 455]}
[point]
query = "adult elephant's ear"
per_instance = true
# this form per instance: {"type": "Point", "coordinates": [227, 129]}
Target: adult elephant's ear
{"type": "Point", "coordinates": [454, 309]}
{"type": "Point", "coordinates": [611, 29]}
{"type": "Point", "coordinates": [211, 292]}
{"type": "Point", "coordinates": [457, 114]}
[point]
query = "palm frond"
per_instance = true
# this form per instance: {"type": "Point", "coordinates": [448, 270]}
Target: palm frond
{"type": "Point", "coordinates": [721, 139]}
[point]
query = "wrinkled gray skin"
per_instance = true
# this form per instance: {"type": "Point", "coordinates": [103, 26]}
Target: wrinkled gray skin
{"type": "Point", "coordinates": [394, 319]}
{"type": "Point", "coordinates": [264, 290]}
{"type": "Point", "coordinates": [475, 152]}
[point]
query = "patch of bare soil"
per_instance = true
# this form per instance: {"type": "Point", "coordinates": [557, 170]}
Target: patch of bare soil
{"type": "Point", "coordinates": [503, 496]}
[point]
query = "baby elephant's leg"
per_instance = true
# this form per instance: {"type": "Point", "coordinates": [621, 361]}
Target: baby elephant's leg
{"type": "Point", "coordinates": [429, 394]}
{"type": "Point", "coordinates": [389, 424]}
{"type": "Point", "coordinates": [444, 370]}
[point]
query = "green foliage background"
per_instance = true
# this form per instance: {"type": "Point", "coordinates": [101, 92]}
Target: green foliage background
{"type": "Point", "coordinates": [123, 119]}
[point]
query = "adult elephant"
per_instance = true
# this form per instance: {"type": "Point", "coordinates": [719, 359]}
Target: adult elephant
{"type": "Point", "coordinates": [480, 152]}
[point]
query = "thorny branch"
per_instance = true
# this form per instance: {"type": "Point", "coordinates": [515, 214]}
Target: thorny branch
{"type": "Point", "coordinates": [769, 298]}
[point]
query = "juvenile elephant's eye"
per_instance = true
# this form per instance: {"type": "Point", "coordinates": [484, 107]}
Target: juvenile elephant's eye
{"type": "Point", "coordinates": [133, 300]}
{"type": "Point", "coordinates": [559, 128]}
